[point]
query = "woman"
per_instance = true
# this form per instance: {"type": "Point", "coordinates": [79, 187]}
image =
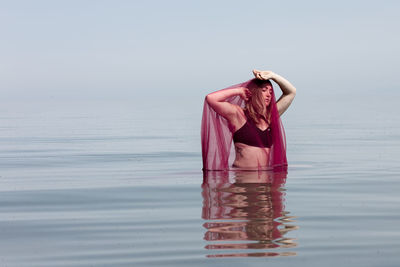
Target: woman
{"type": "Point", "coordinates": [251, 117]}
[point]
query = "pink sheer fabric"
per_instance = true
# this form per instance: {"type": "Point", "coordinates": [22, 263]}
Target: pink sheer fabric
{"type": "Point", "coordinates": [216, 137]}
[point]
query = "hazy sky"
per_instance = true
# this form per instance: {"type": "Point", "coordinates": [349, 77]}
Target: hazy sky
{"type": "Point", "coordinates": [137, 49]}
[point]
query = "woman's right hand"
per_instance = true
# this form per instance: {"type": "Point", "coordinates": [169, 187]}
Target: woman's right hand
{"type": "Point", "coordinates": [244, 93]}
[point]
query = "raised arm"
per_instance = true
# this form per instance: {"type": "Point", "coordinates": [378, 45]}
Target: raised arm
{"type": "Point", "coordinates": [217, 100]}
{"type": "Point", "coordinates": [288, 90]}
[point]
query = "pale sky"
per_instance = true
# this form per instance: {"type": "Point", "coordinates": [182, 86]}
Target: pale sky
{"type": "Point", "coordinates": [138, 49]}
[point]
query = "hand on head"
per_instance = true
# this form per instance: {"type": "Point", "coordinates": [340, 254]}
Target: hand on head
{"type": "Point", "coordinates": [245, 93]}
{"type": "Point", "coordinates": [262, 75]}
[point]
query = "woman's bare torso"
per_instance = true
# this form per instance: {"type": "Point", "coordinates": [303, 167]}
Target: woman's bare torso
{"type": "Point", "coordinates": [249, 156]}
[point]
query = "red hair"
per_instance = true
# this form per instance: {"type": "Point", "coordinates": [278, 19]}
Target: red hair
{"type": "Point", "coordinates": [255, 107]}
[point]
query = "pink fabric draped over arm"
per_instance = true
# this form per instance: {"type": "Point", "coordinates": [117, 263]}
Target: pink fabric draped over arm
{"type": "Point", "coordinates": [216, 136]}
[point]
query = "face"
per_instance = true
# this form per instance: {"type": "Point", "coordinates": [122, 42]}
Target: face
{"type": "Point", "coordinates": [267, 94]}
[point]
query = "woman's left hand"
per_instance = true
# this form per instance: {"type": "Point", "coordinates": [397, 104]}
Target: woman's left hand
{"type": "Point", "coordinates": [263, 75]}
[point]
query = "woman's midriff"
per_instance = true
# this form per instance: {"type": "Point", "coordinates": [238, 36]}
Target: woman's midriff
{"type": "Point", "coordinates": [250, 156]}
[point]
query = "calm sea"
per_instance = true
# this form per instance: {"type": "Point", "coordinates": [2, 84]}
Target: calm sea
{"type": "Point", "coordinates": [120, 184]}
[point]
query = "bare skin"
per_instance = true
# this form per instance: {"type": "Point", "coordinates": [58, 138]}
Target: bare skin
{"type": "Point", "coordinates": [250, 156]}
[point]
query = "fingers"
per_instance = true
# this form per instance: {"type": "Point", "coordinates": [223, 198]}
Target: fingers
{"type": "Point", "coordinates": [255, 72]}
{"type": "Point", "coordinates": [258, 74]}
{"type": "Point", "coordinates": [248, 94]}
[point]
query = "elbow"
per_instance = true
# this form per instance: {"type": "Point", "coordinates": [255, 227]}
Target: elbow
{"type": "Point", "coordinates": [294, 92]}
{"type": "Point", "coordinates": [209, 98]}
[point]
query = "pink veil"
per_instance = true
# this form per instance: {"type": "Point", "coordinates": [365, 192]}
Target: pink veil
{"type": "Point", "coordinates": [216, 137]}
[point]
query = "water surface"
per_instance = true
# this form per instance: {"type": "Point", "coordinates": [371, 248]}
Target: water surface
{"type": "Point", "coordinates": [105, 185]}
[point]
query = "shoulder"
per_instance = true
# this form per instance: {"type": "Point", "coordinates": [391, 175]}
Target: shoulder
{"type": "Point", "coordinates": [239, 119]}
{"type": "Point", "coordinates": [241, 110]}
{"type": "Point", "coordinates": [240, 113]}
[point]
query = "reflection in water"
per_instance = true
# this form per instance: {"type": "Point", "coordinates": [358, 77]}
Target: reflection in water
{"type": "Point", "coordinates": [246, 206]}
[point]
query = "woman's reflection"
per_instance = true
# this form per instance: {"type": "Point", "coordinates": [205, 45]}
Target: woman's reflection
{"type": "Point", "coordinates": [246, 205]}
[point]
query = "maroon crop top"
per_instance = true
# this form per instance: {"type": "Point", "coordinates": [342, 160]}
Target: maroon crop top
{"type": "Point", "coordinates": [251, 135]}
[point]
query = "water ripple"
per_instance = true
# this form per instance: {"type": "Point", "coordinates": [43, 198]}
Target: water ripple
{"type": "Point", "coordinates": [246, 207]}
